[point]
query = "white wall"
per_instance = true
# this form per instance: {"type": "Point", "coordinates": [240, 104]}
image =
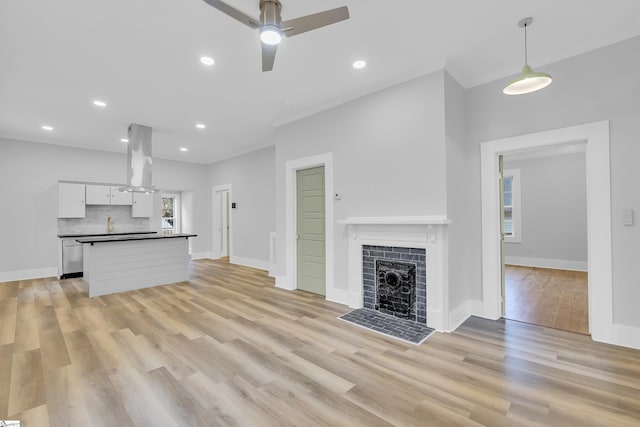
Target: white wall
{"type": "Point", "coordinates": [388, 158]}
{"type": "Point", "coordinates": [461, 280]}
{"type": "Point", "coordinates": [252, 179]}
{"type": "Point", "coordinates": [554, 210]}
{"type": "Point", "coordinates": [29, 173]}
{"type": "Point", "coordinates": [599, 85]}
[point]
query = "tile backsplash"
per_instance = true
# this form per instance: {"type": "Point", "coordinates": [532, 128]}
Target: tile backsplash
{"type": "Point", "coordinates": [95, 221]}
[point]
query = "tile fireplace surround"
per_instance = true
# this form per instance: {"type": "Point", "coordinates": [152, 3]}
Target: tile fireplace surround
{"type": "Point", "coordinates": [425, 232]}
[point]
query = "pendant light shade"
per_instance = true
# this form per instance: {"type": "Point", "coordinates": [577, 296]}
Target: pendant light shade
{"type": "Point", "coordinates": [529, 81]}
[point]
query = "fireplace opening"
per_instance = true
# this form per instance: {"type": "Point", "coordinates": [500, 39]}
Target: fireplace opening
{"type": "Point", "coordinates": [394, 281]}
{"type": "Point", "coordinates": [396, 288]}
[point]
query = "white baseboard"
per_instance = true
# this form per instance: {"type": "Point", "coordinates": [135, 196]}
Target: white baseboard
{"type": "Point", "coordinates": [35, 273]}
{"type": "Point", "coordinates": [272, 270]}
{"type": "Point", "coordinates": [249, 262]}
{"type": "Point", "coordinates": [341, 296]}
{"type": "Point", "coordinates": [283, 283]}
{"type": "Point", "coordinates": [557, 264]}
{"type": "Point", "coordinates": [462, 312]}
{"type": "Point", "coordinates": [201, 255]}
{"type": "Point", "coordinates": [626, 336]}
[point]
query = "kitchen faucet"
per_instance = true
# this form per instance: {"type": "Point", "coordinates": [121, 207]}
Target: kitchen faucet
{"type": "Point", "coordinates": [109, 225]}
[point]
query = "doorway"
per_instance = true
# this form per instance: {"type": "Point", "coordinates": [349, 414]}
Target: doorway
{"type": "Point", "coordinates": [310, 230]}
{"type": "Point", "coordinates": [544, 234]}
{"type": "Point", "coordinates": [600, 277]}
{"type": "Point", "coordinates": [289, 280]}
{"type": "Point", "coordinates": [222, 223]}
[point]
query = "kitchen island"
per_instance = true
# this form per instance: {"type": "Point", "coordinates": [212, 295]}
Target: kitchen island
{"type": "Point", "coordinates": [118, 263]}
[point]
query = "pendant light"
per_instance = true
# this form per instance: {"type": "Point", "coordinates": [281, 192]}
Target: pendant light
{"type": "Point", "coordinates": [529, 81]}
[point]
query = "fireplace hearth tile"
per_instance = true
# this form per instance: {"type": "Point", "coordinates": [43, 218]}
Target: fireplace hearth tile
{"type": "Point", "coordinates": [394, 327]}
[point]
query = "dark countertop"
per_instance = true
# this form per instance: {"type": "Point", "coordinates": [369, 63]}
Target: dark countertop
{"type": "Point", "coordinates": [127, 237]}
{"type": "Point", "coordinates": [62, 236]}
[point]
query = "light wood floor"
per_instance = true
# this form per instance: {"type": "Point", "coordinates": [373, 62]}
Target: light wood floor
{"type": "Point", "coordinates": [228, 348]}
{"type": "Point", "coordinates": [547, 297]}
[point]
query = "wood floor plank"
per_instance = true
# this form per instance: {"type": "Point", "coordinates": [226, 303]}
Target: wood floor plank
{"type": "Point", "coordinates": [27, 382]}
{"type": "Point", "coordinates": [228, 348]}
{"type": "Point", "coordinates": [35, 417]}
{"type": "Point", "coordinates": [6, 360]}
{"type": "Point", "coordinates": [547, 297]}
{"type": "Point", "coordinates": [52, 342]}
{"type": "Point", "coordinates": [8, 318]}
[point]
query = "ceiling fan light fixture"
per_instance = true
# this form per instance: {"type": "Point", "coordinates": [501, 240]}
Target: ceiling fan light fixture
{"type": "Point", "coordinates": [270, 34]}
{"type": "Point", "coordinates": [529, 81]}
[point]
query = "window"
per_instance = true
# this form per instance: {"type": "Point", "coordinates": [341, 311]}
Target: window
{"type": "Point", "coordinates": [170, 213]}
{"type": "Point", "coordinates": [511, 195]}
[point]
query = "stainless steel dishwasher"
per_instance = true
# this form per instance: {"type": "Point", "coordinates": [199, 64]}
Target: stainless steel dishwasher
{"type": "Point", "coordinates": [71, 258]}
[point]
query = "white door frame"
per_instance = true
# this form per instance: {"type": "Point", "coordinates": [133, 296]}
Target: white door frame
{"type": "Point", "coordinates": [600, 280]}
{"type": "Point", "coordinates": [291, 167]}
{"type": "Point", "coordinates": [216, 235]}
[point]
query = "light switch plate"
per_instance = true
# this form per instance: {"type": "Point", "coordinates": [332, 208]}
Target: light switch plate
{"type": "Point", "coordinates": [627, 217]}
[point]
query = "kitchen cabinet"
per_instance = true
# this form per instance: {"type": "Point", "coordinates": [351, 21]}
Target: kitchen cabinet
{"type": "Point", "coordinates": [107, 195]}
{"type": "Point", "coordinates": [71, 200]}
{"type": "Point", "coordinates": [142, 205]}
{"type": "Point", "coordinates": [98, 194]}
{"type": "Point", "coordinates": [121, 197]}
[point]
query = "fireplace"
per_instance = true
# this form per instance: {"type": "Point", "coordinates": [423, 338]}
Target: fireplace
{"type": "Point", "coordinates": [419, 241]}
{"type": "Point", "coordinates": [394, 281]}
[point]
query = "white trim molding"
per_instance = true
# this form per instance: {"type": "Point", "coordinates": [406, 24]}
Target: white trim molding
{"type": "Point", "coordinates": [291, 167]}
{"type": "Point", "coordinates": [201, 255]}
{"type": "Point", "coordinates": [600, 281]}
{"type": "Point", "coordinates": [249, 262]}
{"type": "Point", "coordinates": [33, 273]}
{"type": "Point", "coordinates": [627, 336]}
{"type": "Point", "coordinates": [273, 265]}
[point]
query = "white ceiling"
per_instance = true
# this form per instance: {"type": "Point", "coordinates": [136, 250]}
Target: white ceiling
{"type": "Point", "coordinates": [142, 58]}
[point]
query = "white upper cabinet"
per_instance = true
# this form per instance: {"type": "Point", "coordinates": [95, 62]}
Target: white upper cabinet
{"type": "Point", "coordinates": [107, 195]}
{"type": "Point", "coordinates": [71, 200]}
{"type": "Point", "coordinates": [98, 194]}
{"type": "Point", "coordinates": [142, 205]}
{"type": "Point", "coordinates": [120, 197]}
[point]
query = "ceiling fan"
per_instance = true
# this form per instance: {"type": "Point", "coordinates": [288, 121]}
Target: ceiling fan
{"type": "Point", "coordinates": [272, 28]}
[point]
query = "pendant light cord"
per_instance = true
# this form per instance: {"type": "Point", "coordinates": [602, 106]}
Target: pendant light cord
{"type": "Point", "coordinates": [525, 44]}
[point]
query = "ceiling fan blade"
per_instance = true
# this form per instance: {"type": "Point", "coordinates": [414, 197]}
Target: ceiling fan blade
{"type": "Point", "coordinates": [268, 56]}
{"type": "Point", "coordinates": [306, 23]}
{"type": "Point", "coordinates": [234, 13]}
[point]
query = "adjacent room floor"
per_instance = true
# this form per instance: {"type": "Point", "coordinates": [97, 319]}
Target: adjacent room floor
{"type": "Point", "coordinates": [547, 297]}
{"type": "Point", "coordinates": [228, 348]}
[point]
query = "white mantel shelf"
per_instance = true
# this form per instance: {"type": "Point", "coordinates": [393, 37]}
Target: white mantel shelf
{"type": "Point", "coordinates": [395, 220]}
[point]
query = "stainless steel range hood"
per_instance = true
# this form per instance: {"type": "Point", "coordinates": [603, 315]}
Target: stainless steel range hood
{"type": "Point", "coordinates": [139, 160]}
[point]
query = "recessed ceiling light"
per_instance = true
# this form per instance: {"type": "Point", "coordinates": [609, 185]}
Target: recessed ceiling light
{"type": "Point", "coordinates": [98, 103]}
{"type": "Point", "coordinates": [124, 140]}
{"type": "Point", "coordinates": [200, 126]}
{"type": "Point", "coordinates": [359, 64]}
{"type": "Point", "coordinates": [184, 149]}
{"type": "Point", "coordinates": [46, 127]}
{"type": "Point", "coordinates": [207, 60]}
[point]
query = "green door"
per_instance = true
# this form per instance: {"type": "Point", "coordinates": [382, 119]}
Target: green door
{"type": "Point", "coordinates": [310, 229]}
